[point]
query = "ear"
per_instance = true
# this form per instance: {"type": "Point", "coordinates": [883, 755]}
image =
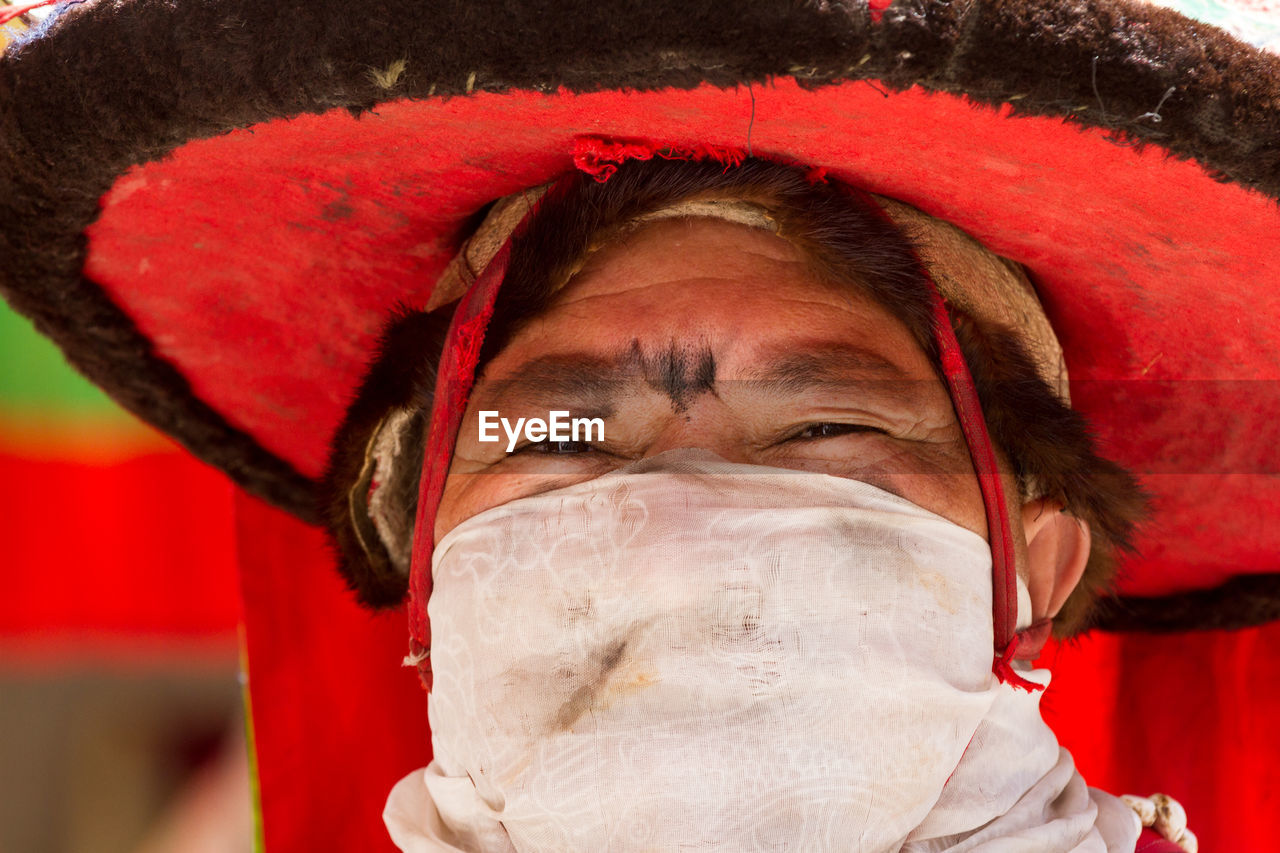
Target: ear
{"type": "Point", "coordinates": [1057, 551]}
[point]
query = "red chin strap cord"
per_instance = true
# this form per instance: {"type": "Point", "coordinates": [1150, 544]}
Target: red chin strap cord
{"type": "Point", "coordinates": [457, 373]}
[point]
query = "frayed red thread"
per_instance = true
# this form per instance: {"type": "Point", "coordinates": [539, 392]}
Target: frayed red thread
{"type": "Point", "coordinates": [420, 656]}
{"type": "Point", "coordinates": [467, 346]}
{"type": "Point", "coordinates": [1003, 668]}
{"type": "Point", "coordinates": [600, 158]}
{"type": "Point", "coordinates": [816, 175]}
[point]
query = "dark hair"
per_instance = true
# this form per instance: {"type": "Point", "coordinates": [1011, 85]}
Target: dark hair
{"type": "Point", "coordinates": [850, 242]}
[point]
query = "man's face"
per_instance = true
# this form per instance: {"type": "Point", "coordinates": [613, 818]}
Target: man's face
{"type": "Point", "coordinates": [703, 333]}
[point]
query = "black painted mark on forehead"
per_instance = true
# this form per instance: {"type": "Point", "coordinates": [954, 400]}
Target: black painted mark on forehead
{"type": "Point", "coordinates": [680, 372]}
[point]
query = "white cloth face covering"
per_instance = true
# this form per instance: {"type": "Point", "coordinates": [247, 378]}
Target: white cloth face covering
{"type": "Point", "coordinates": [693, 654]}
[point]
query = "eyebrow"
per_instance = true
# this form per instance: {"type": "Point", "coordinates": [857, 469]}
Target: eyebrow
{"type": "Point", "coordinates": [825, 365]}
{"type": "Point", "coordinates": [591, 383]}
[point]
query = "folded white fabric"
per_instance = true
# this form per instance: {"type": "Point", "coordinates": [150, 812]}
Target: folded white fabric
{"type": "Point", "coordinates": [695, 654]}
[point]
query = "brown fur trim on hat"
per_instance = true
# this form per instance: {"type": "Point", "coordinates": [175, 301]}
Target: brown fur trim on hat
{"type": "Point", "coordinates": [1241, 602]}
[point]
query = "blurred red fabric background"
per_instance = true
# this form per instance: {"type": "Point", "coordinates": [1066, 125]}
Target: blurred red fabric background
{"type": "Point", "coordinates": [137, 547]}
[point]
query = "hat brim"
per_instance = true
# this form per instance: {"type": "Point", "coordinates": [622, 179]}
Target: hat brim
{"type": "Point", "coordinates": [230, 286]}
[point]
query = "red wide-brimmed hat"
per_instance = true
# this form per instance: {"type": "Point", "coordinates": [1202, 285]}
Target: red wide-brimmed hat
{"type": "Point", "coordinates": [215, 207]}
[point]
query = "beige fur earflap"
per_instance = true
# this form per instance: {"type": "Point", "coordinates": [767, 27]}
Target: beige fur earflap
{"type": "Point", "coordinates": [989, 288]}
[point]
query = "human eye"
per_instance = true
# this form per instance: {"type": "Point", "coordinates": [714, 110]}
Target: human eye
{"type": "Point", "coordinates": [560, 448]}
{"type": "Point", "coordinates": [831, 430]}
{"type": "Point", "coordinates": [554, 448]}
